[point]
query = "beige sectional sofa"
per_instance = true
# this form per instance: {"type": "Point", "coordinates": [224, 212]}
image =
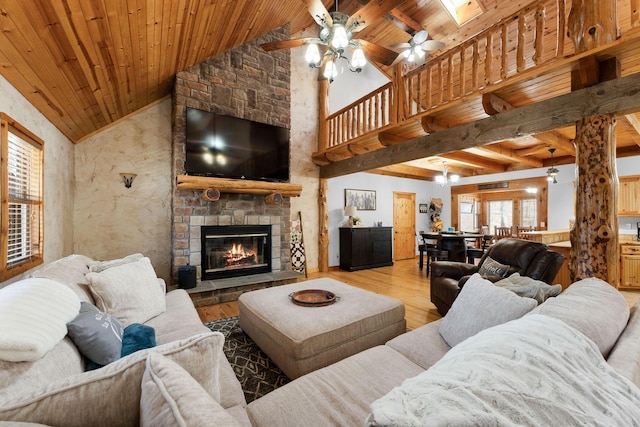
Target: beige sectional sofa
{"type": "Point", "coordinates": [56, 390]}
{"type": "Point", "coordinates": [340, 394]}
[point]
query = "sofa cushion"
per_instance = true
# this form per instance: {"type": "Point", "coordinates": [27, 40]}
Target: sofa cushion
{"type": "Point", "coordinates": [171, 397]}
{"type": "Point", "coordinates": [593, 307]}
{"type": "Point", "coordinates": [527, 287]}
{"type": "Point", "coordinates": [98, 335]}
{"type": "Point", "coordinates": [70, 270]}
{"type": "Point", "coordinates": [110, 396]}
{"type": "Point", "coordinates": [492, 268]}
{"type": "Point", "coordinates": [98, 266]}
{"type": "Point", "coordinates": [532, 371]}
{"type": "Point", "coordinates": [337, 395]}
{"type": "Point", "coordinates": [130, 292]}
{"type": "Point", "coordinates": [481, 305]}
{"type": "Point", "coordinates": [33, 317]}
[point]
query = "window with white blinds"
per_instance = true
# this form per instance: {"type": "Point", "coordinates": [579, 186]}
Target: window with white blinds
{"type": "Point", "coordinates": [22, 215]}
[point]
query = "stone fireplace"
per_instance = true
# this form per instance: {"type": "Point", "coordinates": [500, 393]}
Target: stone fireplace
{"type": "Point", "coordinates": [249, 83]}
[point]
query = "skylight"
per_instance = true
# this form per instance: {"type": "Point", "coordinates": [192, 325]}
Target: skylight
{"type": "Point", "coordinates": [462, 11]}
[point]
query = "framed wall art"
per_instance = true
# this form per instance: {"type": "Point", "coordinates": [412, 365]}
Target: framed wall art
{"type": "Point", "coordinates": [364, 200]}
{"type": "Point", "coordinates": [423, 207]}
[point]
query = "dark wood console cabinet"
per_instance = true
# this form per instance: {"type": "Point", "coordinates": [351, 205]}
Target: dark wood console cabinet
{"type": "Point", "coordinates": [365, 247]}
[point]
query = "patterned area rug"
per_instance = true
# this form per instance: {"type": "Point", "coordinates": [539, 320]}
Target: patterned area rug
{"type": "Point", "coordinates": [257, 374]}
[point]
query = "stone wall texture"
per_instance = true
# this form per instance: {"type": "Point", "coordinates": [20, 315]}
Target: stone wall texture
{"type": "Point", "coordinates": [244, 82]}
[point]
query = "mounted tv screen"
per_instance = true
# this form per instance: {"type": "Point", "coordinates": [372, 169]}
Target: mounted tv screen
{"type": "Point", "coordinates": [229, 147]}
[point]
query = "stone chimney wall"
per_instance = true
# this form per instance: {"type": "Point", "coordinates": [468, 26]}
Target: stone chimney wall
{"type": "Point", "coordinates": [244, 82]}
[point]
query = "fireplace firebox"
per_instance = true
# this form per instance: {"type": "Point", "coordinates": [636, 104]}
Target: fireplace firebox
{"type": "Point", "coordinates": [235, 250]}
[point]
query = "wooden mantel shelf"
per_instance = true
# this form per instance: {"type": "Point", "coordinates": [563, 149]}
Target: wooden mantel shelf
{"type": "Point", "coordinates": [242, 186]}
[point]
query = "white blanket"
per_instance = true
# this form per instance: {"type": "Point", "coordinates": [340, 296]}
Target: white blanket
{"type": "Point", "coordinates": [534, 371]}
{"type": "Point", "coordinates": [33, 318]}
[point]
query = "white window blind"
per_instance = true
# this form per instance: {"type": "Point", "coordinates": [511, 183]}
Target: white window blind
{"type": "Point", "coordinates": [24, 177]}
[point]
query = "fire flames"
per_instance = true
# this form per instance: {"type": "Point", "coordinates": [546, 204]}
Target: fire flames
{"type": "Point", "coordinates": [238, 256]}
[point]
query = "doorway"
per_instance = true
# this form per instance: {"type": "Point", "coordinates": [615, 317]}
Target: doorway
{"type": "Point", "coordinates": [404, 225]}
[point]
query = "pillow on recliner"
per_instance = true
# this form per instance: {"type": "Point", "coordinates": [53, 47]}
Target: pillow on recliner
{"type": "Point", "coordinates": [479, 306]}
{"type": "Point", "coordinates": [528, 287]}
{"type": "Point", "coordinates": [490, 267]}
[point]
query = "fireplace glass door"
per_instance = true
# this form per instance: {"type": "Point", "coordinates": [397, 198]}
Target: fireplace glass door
{"type": "Point", "coordinates": [239, 250]}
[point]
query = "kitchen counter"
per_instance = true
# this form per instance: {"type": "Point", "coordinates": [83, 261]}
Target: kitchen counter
{"type": "Point", "coordinates": [547, 236]}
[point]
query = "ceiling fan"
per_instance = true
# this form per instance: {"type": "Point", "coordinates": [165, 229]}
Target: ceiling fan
{"type": "Point", "coordinates": [415, 50]}
{"type": "Point", "coordinates": [336, 35]}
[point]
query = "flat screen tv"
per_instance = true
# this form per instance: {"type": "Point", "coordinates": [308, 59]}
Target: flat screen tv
{"type": "Point", "coordinates": [229, 147]}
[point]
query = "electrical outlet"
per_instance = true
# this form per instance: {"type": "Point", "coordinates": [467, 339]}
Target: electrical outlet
{"type": "Point", "coordinates": [542, 224]}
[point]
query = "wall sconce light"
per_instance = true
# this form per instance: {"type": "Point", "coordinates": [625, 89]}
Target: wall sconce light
{"type": "Point", "coordinates": [127, 178]}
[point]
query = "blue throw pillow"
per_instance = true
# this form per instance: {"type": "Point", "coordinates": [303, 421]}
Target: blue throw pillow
{"type": "Point", "coordinates": [137, 337]}
{"type": "Point", "coordinates": [97, 335]}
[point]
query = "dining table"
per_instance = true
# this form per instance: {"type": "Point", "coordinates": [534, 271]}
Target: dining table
{"type": "Point", "coordinates": [455, 243]}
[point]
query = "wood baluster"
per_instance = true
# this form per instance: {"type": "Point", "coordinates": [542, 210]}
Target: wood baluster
{"type": "Point", "coordinates": [562, 32]}
{"type": "Point", "coordinates": [635, 13]}
{"type": "Point", "coordinates": [440, 84]}
{"type": "Point", "coordinates": [462, 70]}
{"type": "Point", "coordinates": [383, 107]}
{"type": "Point", "coordinates": [503, 53]}
{"type": "Point", "coordinates": [520, 60]}
{"type": "Point", "coordinates": [540, 17]}
{"type": "Point", "coordinates": [419, 93]}
{"type": "Point", "coordinates": [488, 61]}
{"type": "Point", "coordinates": [474, 65]}
{"type": "Point", "coordinates": [450, 78]}
{"type": "Point", "coordinates": [429, 94]}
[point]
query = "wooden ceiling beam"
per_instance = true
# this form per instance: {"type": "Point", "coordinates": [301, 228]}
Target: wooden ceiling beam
{"type": "Point", "coordinates": [493, 104]}
{"type": "Point", "coordinates": [407, 20]}
{"type": "Point", "coordinates": [405, 171]}
{"type": "Point", "coordinates": [475, 161]}
{"type": "Point", "coordinates": [610, 97]}
{"type": "Point", "coordinates": [512, 155]}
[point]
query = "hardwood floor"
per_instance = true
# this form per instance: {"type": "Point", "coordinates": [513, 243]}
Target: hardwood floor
{"type": "Point", "coordinates": [403, 281]}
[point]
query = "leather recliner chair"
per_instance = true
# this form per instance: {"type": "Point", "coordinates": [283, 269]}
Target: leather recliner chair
{"type": "Point", "coordinates": [531, 259]}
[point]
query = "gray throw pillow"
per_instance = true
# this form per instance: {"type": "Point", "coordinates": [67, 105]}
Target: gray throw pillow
{"type": "Point", "coordinates": [479, 306]}
{"type": "Point", "coordinates": [530, 288]}
{"type": "Point", "coordinates": [491, 267]}
{"type": "Point", "coordinates": [97, 335]}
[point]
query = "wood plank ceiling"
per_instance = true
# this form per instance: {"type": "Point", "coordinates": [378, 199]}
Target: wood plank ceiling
{"type": "Point", "coordinates": [85, 64]}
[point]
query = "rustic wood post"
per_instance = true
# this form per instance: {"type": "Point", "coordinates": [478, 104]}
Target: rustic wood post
{"type": "Point", "coordinates": [594, 236]}
{"type": "Point", "coordinates": [323, 235]}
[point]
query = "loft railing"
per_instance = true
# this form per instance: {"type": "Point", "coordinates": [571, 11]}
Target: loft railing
{"type": "Point", "coordinates": [533, 37]}
{"type": "Point", "coordinates": [371, 113]}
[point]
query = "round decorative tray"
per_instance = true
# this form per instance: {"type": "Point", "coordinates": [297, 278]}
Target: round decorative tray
{"type": "Point", "coordinates": [313, 297]}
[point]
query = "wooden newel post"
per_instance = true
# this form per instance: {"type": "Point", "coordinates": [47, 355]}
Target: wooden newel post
{"type": "Point", "coordinates": [594, 237]}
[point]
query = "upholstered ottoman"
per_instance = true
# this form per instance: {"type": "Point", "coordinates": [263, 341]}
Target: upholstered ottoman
{"type": "Point", "coordinates": [301, 339]}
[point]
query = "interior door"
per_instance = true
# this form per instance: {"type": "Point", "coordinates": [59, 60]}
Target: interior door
{"type": "Point", "coordinates": [404, 225]}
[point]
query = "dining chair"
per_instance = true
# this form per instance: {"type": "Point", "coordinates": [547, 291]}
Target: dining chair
{"type": "Point", "coordinates": [435, 253]}
{"type": "Point", "coordinates": [520, 230]}
{"type": "Point", "coordinates": [502, 232]}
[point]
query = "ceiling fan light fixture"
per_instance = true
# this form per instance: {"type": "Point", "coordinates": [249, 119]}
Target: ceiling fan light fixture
{"type": "Point", "coordinates": [312, 55]}
{"type": "Point", "coordinates": [445, 178]}
{"type": "Point", "coordinates": [330, 70]}
{"type": "Point", "coordinates": [339, 39]}
{"type": "Point", "coordinates": [358, 60]}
